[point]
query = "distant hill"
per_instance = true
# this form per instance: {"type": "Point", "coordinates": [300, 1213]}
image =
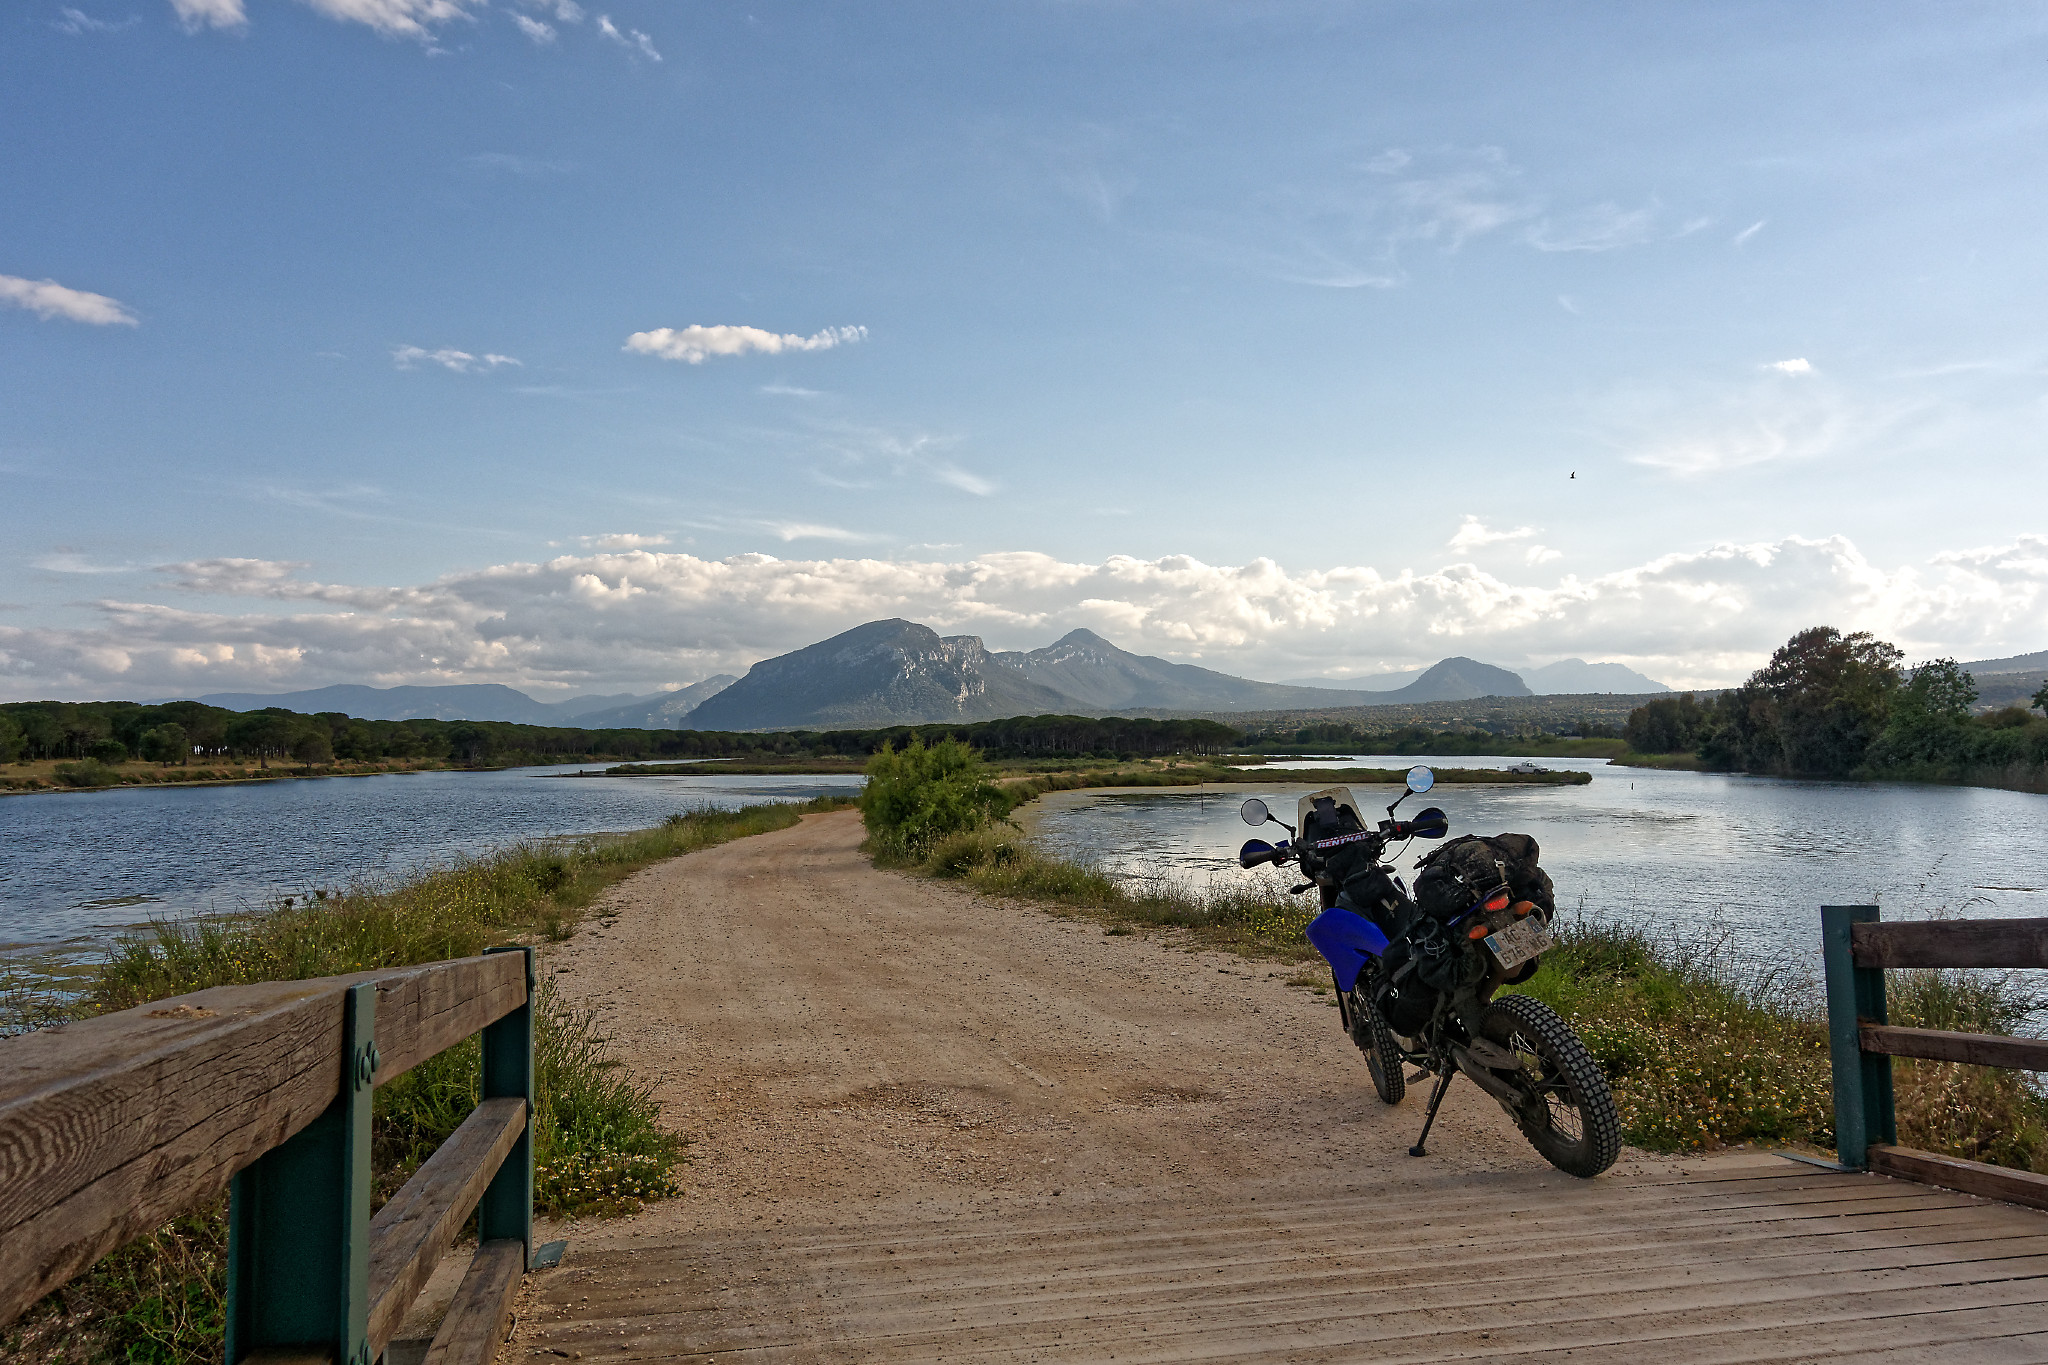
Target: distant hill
{"type": "Point", "coordinates": [1574, 676]}
{"type": "Point", "coordinates": [460, 701]}
{"type": "Point", "coordinates": [1371, 682]}
{"type": "Point", "coordinates": [661, 711]}
{"type": "Point", "coordinates": [479, 701]}
{"type": "Point", "coordinates": [1577, 677]}
{"type": "Point", "coordinates": [1097, 676]}
{"type": "Point", "coordinates": [1455, 679]}
{"type": "Point", "coordinates": [891, 672]}
{"type": "Point", "coordinates": [2037, 662]}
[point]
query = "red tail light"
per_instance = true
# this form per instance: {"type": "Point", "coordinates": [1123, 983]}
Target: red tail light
{"type": "Point", "coordinates": [1498, 902]}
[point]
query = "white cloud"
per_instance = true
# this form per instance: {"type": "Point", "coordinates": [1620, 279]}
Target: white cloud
{"type": "Point", "coordinates": [622, 540]}
{"type": "Point", "coordinates": [565, 11]}
{"type": "Point", "coordinates": [1794, 366]}
{"type": "Point", "coordinates": [396, 18]}
{"type": "Point", "coordinates": [632, 37]}
{"type": "Point", "coordinates": [1708, 427]}
{"type": "Point", "coordinates": [1742, 238]}
{"type": "Point", "coordinates": [695, 344]}
{"type": "Point", "coordinates": [792, 391]}
{"type": "Point", "coordinates": [198, 14]}
{"type": "Point", "coordinates": [49, 299]}
{"type": "Point", "coordinates": [1540, 554]}
{"type": "Point", "coordinates": [1699, 617]}
{"type": "Point", "coordinates": [806, 530]}
{"type": "Point", "coordinates": [71, 561]}
{"type": "Point", "coordinates": [393, 18]}
{"type": "Point", "coordinates": [462, 362]}
{"type": "Point", "coordinates": [76, 22]}
{"type": "Point", "coordinates": [534, 29]}
{"type": "Point", "coordinates": [1472, 533]}
{"type": "Point", "coordinates": [1602, 227]}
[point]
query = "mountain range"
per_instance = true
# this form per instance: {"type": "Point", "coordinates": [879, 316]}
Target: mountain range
{"type": "Point", "coordinates": [484, 701]}
{"type": "Point", "coordinates": [898, 672]}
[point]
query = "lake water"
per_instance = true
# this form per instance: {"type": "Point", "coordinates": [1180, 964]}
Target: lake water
{"type": "Point", "coordinates": [77, 867]}
{"type": "Point", "coordinates": [1754, 856]}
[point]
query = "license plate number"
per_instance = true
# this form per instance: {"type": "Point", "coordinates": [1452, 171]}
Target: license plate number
{"type": "Point", "coordinates": [1519, 942]}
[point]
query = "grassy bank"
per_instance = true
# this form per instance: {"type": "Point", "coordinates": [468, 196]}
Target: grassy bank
{"type": "Point", "coordinates": [599, 1147]}
{"type": "Point", "coordinates": [1703, 1050]}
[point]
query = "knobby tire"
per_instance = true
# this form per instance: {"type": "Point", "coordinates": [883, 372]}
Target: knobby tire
{"type": "Point", "coordinates": [1376, 1041]}
{"type": "Point", "coordinates": [1578, 1128]}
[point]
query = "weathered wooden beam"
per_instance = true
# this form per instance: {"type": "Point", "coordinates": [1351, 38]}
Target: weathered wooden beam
{"type": "Point", "coordinates": [1952, 943]}
{"type": "Point", "coordinates": [1937, 1045]}
{"type": "Point", "coordinates": [1954, 1173]}
{"type": "Point", "coordinates": [421, 1221]}
{"type": "Point", "coordinates": [481, 1314]}
{"type": "Point", "coordinates": [110, 1126]}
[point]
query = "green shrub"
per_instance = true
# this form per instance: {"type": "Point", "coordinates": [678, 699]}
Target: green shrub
{"type": "Point", "coordinates": [87, 773]}
{"type": "Point", "coordinates": [916, 796]}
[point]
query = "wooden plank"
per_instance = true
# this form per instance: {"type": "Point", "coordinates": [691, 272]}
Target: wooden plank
{"type": "Point", "coordinates": [1954, 1173]}
{"type": "Point", "coordinates": [1976, 1049]}
{"type": "Point", "coordinates": [421, 1221]}
{"type": "Point", "coordinates": [1951, 943]}
{"type": "Point", "coordinates": [481, 1315]}
{"type": "Point", "coordinates": [112, 1125]}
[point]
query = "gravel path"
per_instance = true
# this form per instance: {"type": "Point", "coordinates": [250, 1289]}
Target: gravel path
{"type": "Point", "coordinates": [849, 1048]}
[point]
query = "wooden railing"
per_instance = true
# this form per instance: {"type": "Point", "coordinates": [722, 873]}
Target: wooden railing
{"type": "Point", "coordinates": [1856, 948]}
{"type": "Point", "coordinates": [111, 1126]}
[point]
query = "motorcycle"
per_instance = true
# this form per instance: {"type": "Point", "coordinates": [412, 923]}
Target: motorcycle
{"type": "Point", "coordinates": [1416, 986]}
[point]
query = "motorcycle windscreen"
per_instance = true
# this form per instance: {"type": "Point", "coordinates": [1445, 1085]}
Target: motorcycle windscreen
{"type": "Point", "coordinates": [1347, 939]}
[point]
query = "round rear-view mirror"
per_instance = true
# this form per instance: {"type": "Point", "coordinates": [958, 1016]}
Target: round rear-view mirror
{"type": "Point", "coordinates": [1254, 812]}
{"type": "Point", "coordinates": [1420, 779]}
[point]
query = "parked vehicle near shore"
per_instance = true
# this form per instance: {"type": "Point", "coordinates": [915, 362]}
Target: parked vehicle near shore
{"type": "Point", "coordinates": [1416, 974]}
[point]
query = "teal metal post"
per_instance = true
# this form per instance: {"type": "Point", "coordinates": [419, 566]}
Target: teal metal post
{"type": "Point", "coordinates": [1863, 1080]}
{"type": "Point", "coordinates": [506, 1210]}
{"type": "Point", "coordinates": [299, 1220]}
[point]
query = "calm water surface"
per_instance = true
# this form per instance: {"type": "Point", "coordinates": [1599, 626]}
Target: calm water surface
{"type": "Point", "coordinates": [1755, 856]}
{"type": "Point", "coordinates": [77, 867]}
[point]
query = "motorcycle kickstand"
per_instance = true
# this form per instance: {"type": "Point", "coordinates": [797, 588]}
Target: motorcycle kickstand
{"type": "Point", "coordinates": [1443, 1083]}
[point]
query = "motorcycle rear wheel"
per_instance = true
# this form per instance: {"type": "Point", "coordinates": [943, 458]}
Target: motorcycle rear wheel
{"type": "Point", "coordinates": [1376, 1041]}
{"type": "Point", "coordinates": [1570, 1119]}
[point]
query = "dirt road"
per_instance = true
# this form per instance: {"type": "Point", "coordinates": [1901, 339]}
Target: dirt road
{"type": "Point", "coordinates": [838, 1041]}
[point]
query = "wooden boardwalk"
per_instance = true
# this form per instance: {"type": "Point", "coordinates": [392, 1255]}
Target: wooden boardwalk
{"type": "Point", "coordinates": [1751, 1258]}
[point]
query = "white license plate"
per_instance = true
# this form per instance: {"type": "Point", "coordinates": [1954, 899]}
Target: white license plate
{"type": "Point", "coordinates": [1519, 942]}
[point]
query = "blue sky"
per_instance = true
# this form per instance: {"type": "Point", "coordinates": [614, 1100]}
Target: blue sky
{"type": "Point", "coordinates": [347, 340]}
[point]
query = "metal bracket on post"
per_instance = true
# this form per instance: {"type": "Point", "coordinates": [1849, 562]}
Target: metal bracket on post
{"type": "Point", "coordinates": [506, 1210]}
{"type": "Point", "coordinates": [299, 1220]}
{"type": "Point", "coordinates": [1863, 1080]}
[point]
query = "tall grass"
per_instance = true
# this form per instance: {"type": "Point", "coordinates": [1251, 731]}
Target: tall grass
{"type": "Point", "coordinates": [599, 1147]}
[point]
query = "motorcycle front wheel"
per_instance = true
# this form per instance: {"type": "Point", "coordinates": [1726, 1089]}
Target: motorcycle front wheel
{"type": "Point", "coordinates": [1376, 1041]}
{"type": "Point", "coordinates": [1568, 1115]}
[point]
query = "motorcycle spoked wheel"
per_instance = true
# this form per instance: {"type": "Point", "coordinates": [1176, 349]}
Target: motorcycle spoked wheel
{"type": "Point", "coordinates": [1376, 1041]}
{"type": "Point", "coordinates": [1577, 1128]}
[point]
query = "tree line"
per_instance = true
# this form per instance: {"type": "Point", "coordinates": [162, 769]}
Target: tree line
{"type": "Point", "coordinates": [181, 732]}
{"type": "Point", "coordinates": [1835, 705]}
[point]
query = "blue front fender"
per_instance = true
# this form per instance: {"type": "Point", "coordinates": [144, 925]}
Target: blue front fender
{"type": "Point", "coordinates": [1347, 939]}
